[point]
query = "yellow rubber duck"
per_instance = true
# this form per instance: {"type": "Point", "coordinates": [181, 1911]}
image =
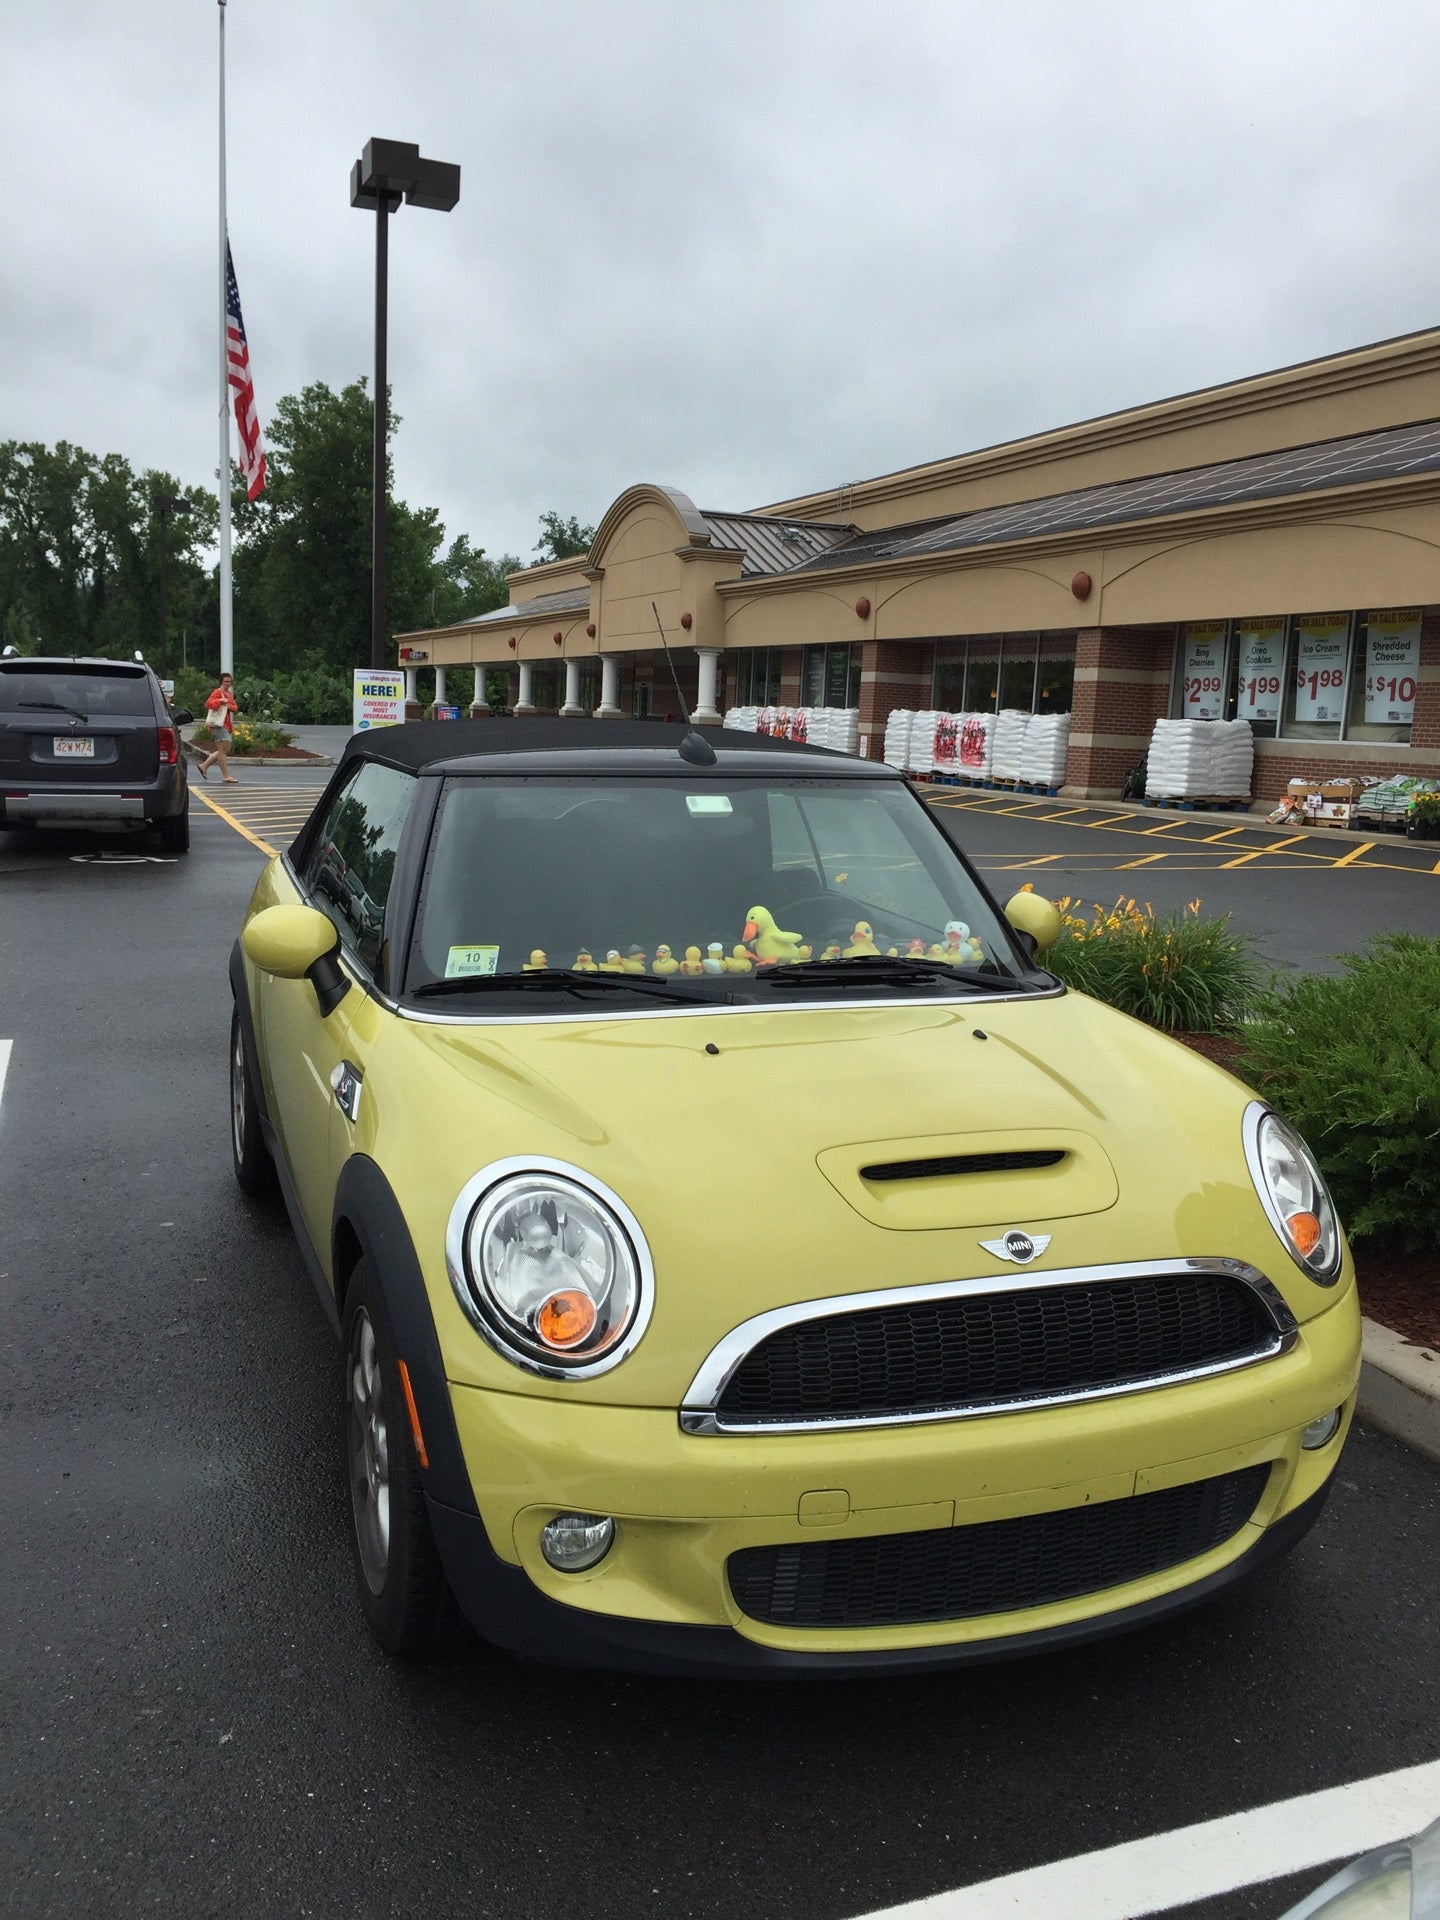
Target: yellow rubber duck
{"type": "Point", "coordinates": [584, 961]}
{"type": "Point", "coordinates": [832, 952]}
{"type": "Point", "coordinates": [803, 953]}
{"type": "Point", "coordinates": [773, 947]}
{"type": "Point", "coordinates": [612, 963]}
{"type": "Point", "coordinates": [692, 963]}
{"type": "Point", "coordinates": [739, 961]}
{"type": "Point", "coordinates": [862, 941]}
{"type": "Point", "coordinates": [714, 961]}
{"type": "Point", "coordinates": [634, 961]}
{"type": "Point", "coordinates": [537, 963]}
{"type": "Point", "coordinates": [664, 962]}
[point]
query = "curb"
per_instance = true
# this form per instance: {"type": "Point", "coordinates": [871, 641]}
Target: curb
{"type": "Point", "coordinates": [263, 760]}
{"type": "Point", "coordinates": [1400, 1388]}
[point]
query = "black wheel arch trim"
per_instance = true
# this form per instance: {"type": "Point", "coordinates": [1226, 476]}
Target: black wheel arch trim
{"type": "Point", "coordinates": [366, 1203]}
{"type": "Point", "coordinates": [508, 1610]}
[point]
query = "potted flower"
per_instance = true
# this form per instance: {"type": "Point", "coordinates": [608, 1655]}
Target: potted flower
{"type": "Point", "coordinates": [1422, 822]}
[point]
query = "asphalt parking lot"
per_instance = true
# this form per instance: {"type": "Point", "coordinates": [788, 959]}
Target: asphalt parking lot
{"type": "Point", "coordinates": [194, 1719]}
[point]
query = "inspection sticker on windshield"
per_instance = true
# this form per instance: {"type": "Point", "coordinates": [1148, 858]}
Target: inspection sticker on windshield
{"type": "Point", "coordinates": [708, 803]}
{"type": "Point", "coordinates": [465, 960]}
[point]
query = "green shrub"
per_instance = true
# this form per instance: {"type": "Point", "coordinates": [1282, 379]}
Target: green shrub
{"type": "Point", "coordinates": [1176, 971]}
{"type": "Point", "coordinates": [258, 736]}
{"type": "Point", "coordinates": [1354, 1061]}
{"type": "Point", "coordinates": [1425, 806]}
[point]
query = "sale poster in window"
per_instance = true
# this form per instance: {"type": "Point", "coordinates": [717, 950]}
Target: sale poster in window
{"type": "Point", "coordinates": [1392, 667]}
{"type": "Point", "coordinates": [1262, 664]}
{"type": "Point", "coordinates": [1204, 671]}
{"type": "Point", "coordinates": [1320, 649]}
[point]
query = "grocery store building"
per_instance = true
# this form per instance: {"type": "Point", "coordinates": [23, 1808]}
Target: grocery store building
{"type": "Point", "coordinates": [1267, 550]}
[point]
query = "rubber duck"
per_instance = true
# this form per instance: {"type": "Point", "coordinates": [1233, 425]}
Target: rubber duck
{"type": "Point", "coordinates": [634, 961]}
{"type": "Point", "coordinates": [612, 963]}
{"type": "Point", "coordinates": [892, 953]}
{"type": "Point", "coordinates": [584, 961]}
{"type": "Point", "coordinates": [803, 952]}
{"type": "Point", "coordinates": [714, 961]}
{"type": "Point", "coordinates": [832, 952]}
{"type": "Point", "coordinates": [862, 941]}
{"type": "Point", "coordinates": [664, 962]}
{"type": "Point", "coordinates": [537, 963]}
{"type": "Point", "coordinates": [773, 947]}
{"type": "Point", "coordinates": [692, 964]}
{"type": "Point", "coordinates": [915, 949]}
{"type": "Point", "coordinates": [739, 961]}
{"type": "Point", "coordinates": [962, 949]}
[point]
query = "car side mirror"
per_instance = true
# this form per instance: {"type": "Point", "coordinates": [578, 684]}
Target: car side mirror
{"type": "Point", "coordinates": [182, 716]}
{"type": "Point", "coordinates": [298, 943]}
{"type": "Point", "coordinates": [1033, 914]}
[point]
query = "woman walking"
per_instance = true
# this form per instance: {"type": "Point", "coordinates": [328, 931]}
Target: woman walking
{"type": "Point", "coordinates": [220, 709]}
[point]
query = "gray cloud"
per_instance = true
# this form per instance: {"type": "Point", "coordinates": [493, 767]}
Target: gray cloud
{"type": "Point", "coordinates": [746, 248]}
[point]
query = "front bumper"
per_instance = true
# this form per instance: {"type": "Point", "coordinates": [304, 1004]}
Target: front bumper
{"type": "Point", "coordinates": [684, 1504]}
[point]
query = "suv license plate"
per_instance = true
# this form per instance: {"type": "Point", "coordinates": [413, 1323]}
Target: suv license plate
{"type": "Point", "coordinates": [73, 746]}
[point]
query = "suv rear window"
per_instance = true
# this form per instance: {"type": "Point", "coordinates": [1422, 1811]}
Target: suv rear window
{"type": "Point", "coordinates": [88, 690]}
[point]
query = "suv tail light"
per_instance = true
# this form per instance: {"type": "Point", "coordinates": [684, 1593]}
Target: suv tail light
{"type": "Point", "coordinates": [169, 745]}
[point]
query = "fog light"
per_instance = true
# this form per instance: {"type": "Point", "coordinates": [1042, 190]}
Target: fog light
{"type": "Point", "coordinates": [1321, 1432]}
{"type": "Point", "coordinates": [571, 1542]}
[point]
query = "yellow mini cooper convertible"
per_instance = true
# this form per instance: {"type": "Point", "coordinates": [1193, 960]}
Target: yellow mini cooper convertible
{"type": "Point", "coordinates": [745, 1257]}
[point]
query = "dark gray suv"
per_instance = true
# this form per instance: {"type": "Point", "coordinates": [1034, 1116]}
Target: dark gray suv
{"type": "Point", "coordinates": [91, 743]}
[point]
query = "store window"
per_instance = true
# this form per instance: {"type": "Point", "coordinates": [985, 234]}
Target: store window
{"type": "Point", "coordinates": [1259, 672]}
{"type": "Point", "coordinates": [1319, 676]}
{"type": "Point", "coordinates": [757, 677]}
{"type": "Point", "coordinates": [1203, 669]}
{"type": "Point", "coordinates": [830, 677]}
{"type": "Point", "coordinates": [1384, 674]}
{"type": "Point", "coordinates": [1032, 672]}
{"type": "Point", "coordinates": [547, 687]}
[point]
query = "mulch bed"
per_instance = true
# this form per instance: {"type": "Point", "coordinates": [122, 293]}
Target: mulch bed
{"type": "Point", "coordinates": [276, 753]}
{"type": "Point", "coordinates": [1400, 1290]}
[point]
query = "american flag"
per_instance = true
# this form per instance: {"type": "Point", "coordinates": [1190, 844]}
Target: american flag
{"type": "Point", "coordinates": [237, 355]}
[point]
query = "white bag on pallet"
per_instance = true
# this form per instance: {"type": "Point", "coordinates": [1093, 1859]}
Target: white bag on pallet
{"type": "Point", "coordinates": [922, 741]}
{"type": "Point", "coordinates": [1047, 748]}
{"type": "Point", "coordinates": [1008, 749]}
{"type": "Point", "coordinates": [976, 740]}
{"type": "Point", "coordinates": [1200, 759]}
{"type": "Point", "coordinates": [897, 738]}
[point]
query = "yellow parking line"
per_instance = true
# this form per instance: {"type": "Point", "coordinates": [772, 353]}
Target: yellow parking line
{"type": "Point", "coordinates": [1224, 834]}
{"type": "Point", "coordinates": [1113, 820]}
{"type": "Point", "coordinates": [1366, 846]}
{"type": "Point", "coordinates": [1145, 860]}
{"type": "Point", "coordinates": [1258, 853]}
{"type": "Point", "coordinates": [239, 825]}
{"type": "Point", "coordinates": [1167, 826]}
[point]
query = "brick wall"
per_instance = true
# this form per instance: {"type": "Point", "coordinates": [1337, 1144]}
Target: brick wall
{"type": "Point", "coordinates": [893, 673]}
{"type": "Point", "coordinates": [1426, 731]}
{"type": "Point", "coordinates": [1122, 687]}
{"type": "Point", "coordinates": [792, 662]}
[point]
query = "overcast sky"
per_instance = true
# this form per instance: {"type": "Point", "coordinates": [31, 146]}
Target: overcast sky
{"type": "Point", "coordinates": [746, 247]}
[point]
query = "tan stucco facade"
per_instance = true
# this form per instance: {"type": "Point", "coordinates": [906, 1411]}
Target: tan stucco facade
{"type": "Point", "coordinates": [1373, 543]}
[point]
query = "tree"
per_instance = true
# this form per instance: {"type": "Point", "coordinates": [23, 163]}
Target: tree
{"type": "Point", "coordinates": [468, 582]}
{"type": "Point", "coordinates": [562, 539]}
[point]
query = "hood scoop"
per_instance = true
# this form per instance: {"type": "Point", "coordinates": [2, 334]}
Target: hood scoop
{"type": "Point", "coordinates": [983, 1179]}
{"type": "Point", "coordinates": [1020, 1160]}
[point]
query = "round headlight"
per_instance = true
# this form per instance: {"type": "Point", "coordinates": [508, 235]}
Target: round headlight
{"type": "Point", "coordinates": [1293, 1193]}
{"type": "Point", "coordinates": [552, 1268]}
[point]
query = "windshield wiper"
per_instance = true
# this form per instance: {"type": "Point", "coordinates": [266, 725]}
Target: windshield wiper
{"type": "Point", "coordinates": [52, 706]}
{"type": "Point", "coordinates": [564, 980]}
{"type": "Point", "coordinates": [883, 970]}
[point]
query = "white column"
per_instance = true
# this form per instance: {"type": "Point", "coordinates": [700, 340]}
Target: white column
{"type": "Point", "coordinates": [440, 686]}
{"type": "Point", "coordinates": [572, 688]}
{"type": "Point", "coordinates": [609, 707]}
{"type": "Point", "coordinates": [705, 709]}
{"type": "Point", "coordinates": [525, 704]}
{"type": "Point", "coordinates": [412, 676]}
{"type": "Point", "coordinates": [478, 705]}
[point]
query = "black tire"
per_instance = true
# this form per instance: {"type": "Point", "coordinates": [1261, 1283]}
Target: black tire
{"type": "Point", "coordinates": [398, 1574]}
{"type": "Point", "coordinates": [175, 832]}
{"type": "Point", "coordinates": [254, 1169]}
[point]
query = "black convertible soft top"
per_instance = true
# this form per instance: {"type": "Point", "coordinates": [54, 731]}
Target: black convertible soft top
{"type": "Point", "coordinates": [421, 744]}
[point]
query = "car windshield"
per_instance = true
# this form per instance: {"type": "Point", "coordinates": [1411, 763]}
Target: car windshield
{"type": "Point", "coordinates": [76, 689]}
{"type": "Point", "coordinates": [720, 887]}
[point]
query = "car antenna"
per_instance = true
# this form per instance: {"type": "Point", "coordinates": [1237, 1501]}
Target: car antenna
{"type": "Point", "coordinates": [694, 747]}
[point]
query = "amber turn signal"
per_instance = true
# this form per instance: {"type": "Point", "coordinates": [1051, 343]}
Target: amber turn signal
{"type": "Point", "coordinates": [1305, 1232]}
{"type": "Point", "coordinates": [566, 1318]}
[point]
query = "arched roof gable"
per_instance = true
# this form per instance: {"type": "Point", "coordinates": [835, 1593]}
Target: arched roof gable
{"type": "Point", "coordinates": [690, 527]}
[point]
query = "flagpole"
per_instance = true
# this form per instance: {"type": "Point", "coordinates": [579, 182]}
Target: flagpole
{"type": "Point", "coordinates": [227, 612]}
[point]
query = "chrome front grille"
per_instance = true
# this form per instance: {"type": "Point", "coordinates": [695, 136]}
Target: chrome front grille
{"type": "Point", "coordinates": [987, 1346]}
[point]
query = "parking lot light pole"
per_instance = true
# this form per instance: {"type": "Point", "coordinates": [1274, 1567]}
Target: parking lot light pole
{"type": "Point", "coordinates": [388, 173]}
{"type": "Point", "coordinates": [162, 505]}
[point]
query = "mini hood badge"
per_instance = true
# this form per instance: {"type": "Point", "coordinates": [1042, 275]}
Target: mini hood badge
{"type": "Point", "coordinates": [1022, 1248]}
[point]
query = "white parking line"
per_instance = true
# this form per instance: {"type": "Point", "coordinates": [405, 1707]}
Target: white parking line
{"type": "Point", "coordinates": [5, 1046]}
{"type": "Point", "coordinates": [1199, 1862]}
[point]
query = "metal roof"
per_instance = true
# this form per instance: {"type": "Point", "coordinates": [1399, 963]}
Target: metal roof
{"type": "Point", "coordinates": [570, 600]}
{"type": "Point", "coordinates": [1388, 454]}
{"type": "Point", "coordinates": [771, 545]}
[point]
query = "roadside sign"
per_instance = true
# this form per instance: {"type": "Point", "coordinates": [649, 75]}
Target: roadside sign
{"type": "Point", "coordinates": [379, 699]}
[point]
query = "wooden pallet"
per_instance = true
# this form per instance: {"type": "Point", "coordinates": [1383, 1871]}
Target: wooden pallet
{"type": "Point", "coordinates": [1199, 803]}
